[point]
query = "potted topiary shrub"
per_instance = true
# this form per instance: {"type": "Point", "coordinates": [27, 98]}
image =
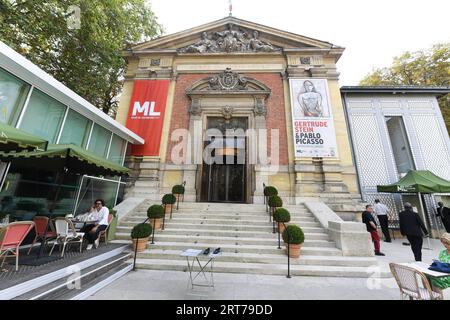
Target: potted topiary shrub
{"type": "Point", "coordinates": [169, 200]}
{"type": "Point", "coordinates": [296, 239]}
{"type": "Point", "coordinates": [275, 202]}
{"type": "Point", "coordinates": [178, 191]}
{"type": "Point", "coordinates": [281, 216]}
{"type": "Point", "coordinates": [155, 214]}
{"type": "Point", "coordinates": [270, 191]}
{"type": "Point", "coordinates": [140, 235]}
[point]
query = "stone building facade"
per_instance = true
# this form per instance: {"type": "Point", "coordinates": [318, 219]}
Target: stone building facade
{"type": "Point", "coordinates": [234, 74]}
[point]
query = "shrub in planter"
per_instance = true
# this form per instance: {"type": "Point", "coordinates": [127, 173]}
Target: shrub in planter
{"type": "Point", "coordinates": [155, 214]}
{"type": "Point", "coordinates": [270, 191]}
{"type": "Point", "coordinates": [275, 202]}
{"type": "Point", "coordinates": [178, 190]}
{"type": "Point", "coordinates": [140, 235]}
{"type": "Point", "coordinates": [296, 239]}
{"type": "Point", "coordinates": [168, 200]}
{"type": "Point", "coordinates": [281, 215]}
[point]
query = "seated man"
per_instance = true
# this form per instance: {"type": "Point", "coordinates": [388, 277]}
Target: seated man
{"type": "Point", "coordinates": [100, 216]}
{"type": "Point", "coordinates": [443, 283]}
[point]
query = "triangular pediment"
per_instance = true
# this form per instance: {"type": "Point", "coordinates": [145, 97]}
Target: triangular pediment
{"type": "Point", "coordinates": [232, 35]}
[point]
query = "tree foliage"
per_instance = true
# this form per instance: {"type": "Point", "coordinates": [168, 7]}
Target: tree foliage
{"type": "Point", "coordinates": [422, 68]}
{"type": "Point", "coordinates": [83, 53]}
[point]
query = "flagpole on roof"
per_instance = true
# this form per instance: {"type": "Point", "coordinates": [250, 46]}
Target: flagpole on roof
{"type": "Point", "coordinates": [230, 7]}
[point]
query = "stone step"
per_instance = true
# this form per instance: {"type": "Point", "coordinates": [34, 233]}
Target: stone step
{"type": "Point", "coordinates": [161, 237]}
{"type": "Point", "coordinates": [233, 220]}
{"type": "Point", "coordinates": [243, 225]}
{"type": "Point", "coordinates": [250, 248]}
{"type": "Point", "coordinates": [279, 258]}
{"type": "Point", "coordinates": [245, 215]}
{"type": "Point", "coordinates": [262, 268]}
{"type": "Point", "coordinates": [226, 232]}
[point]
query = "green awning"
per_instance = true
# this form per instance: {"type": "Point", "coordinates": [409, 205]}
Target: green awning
{"type": "Point", "coordinates": [415, 181]}
{"type": "Point", "coordinates": [12, 139]}
{"type": "Point", "coordinates": [57, 157]}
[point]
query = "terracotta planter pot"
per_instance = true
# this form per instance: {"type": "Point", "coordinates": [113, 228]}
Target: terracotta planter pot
{"type": "Point", "coordinates": [179, 197]}
{"type": "Point", "coordinates": [156, 223]}
{"type": "Point", "coordinates": [168, 208]}
{"type": "Point", "coordinates": [281, 227]}
{"type": "Point", "coordinates": [141, 244]}
{"type": "Point", "coordinates": [294, 250]}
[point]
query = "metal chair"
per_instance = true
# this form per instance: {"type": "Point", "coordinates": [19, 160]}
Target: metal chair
{"type": "Point", "coordinates": [40, 227]}
{"type": "Point", "coordinates": [104, 233]}
{"type": "Point", "coordinates": [408, 280]}
{"type": "Point", "coordinates": [66, 234]}
{"type": "Point", "coordinates": [13, 237]}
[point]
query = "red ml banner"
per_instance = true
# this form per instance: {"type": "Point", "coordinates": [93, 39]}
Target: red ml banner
{"type": "Point", "coordinates": [146, 114]}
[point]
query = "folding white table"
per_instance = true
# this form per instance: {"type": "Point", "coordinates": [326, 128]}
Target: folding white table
{"type": "Point", "coordinates": [194, 254]}
{"type": "Point", "coordinates": [423, 267]}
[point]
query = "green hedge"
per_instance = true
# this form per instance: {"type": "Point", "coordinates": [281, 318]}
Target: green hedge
{"type": "Point", "coordinates": [296, 234]}
{"type": "Point", "coordinates": [156, 211]}
{"type": "Point", "coordinates": [275, 201]}
{"type": "Point", "coordinates": [169, 199]}
{"type": "Point", "coordinates": [142, 230]}
{"type": "Point", "coordinates": [270, 191]}
{"type": "Point", "coordinates": [178, 189]}
{"type": "Point", "coordinates": [282, 215]}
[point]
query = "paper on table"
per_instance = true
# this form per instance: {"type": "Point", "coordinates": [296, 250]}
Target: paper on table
{"type": "Point", "coordinates": [191, 253]}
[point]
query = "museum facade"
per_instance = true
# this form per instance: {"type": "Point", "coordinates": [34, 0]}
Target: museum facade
{"type": "Point", "coordinates": [231, 106]}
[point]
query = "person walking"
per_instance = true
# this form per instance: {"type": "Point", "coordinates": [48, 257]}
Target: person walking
{"type": "Point", "coordinates": [382, 212]}
{"type": "Point", "coordinates": [412, 227]}
{"type": "Point", "coordinates": [371, 226]}
{"type": "Point", "coordinates": [444, 213]}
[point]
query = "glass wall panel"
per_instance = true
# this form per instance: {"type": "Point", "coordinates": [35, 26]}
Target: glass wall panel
{"type": "Point", "coordinates": [400, 144]}
{"type": "Point", "coordinates": [99, 142]}
{"type": "Point", "coordinates": [28, 192]}
{"type": "Point", "coordinates": [116, 153]}
{"type": "Point", "coordinates": [76, 129]}
{"type": "Point", "coordinates": [96, 188]}
{"type": "Point", "coordinates": [43, 116]}
{"type": "Point", "coordinates": [13, 93]}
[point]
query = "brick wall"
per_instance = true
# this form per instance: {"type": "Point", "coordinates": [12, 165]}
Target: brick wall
{"type": "Point", "coordinates": [275, 109]}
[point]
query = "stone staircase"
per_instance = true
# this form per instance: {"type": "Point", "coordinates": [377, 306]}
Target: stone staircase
{"type": "Point", "coordinates": [246, 237]}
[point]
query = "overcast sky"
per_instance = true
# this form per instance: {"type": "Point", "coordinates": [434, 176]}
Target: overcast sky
{"type": "Point", "coordinates": [373, 32]}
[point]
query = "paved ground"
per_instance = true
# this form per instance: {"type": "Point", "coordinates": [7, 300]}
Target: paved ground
{"type": "Point", "coordinates": [172, 285]}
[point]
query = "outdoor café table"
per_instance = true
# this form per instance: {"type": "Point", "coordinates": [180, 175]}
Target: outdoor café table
{"type": "Point", "coordinates": [194, 254]}
{"type": "Point", "coordinates": [423, 267]}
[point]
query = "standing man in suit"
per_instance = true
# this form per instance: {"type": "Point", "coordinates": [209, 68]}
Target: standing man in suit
{"type": "Point", "coordinates": [412, 226]}
{"type": "Point", "coordinates": [444, 213]}
{"type": "Point", "coordinates": [382, 212]}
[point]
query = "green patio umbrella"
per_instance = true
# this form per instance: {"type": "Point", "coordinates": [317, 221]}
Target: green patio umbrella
{"type": "Point", "coordinates": [12, 139]}
{"type": "Point", "coordinates": [418, 181]}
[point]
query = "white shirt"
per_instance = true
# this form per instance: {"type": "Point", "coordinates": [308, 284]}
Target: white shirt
{"type": "Point", "coordinates": [100, 216]}
{"type": "Point", "coordinates": [380, 209]}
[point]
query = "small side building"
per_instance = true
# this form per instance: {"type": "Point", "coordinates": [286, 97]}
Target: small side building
{"type": "Point", "coordinates": [33, 101]}
{"type": "Point", "coordinates": [394, 130]}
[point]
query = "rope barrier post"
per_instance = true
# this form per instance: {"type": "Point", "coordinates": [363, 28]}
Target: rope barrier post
{"type": "Point", "coordinates": [289, 256]}
{"type": "Point", "coordinates": [154, 225]}
{"type": "Point", "coordinates": [164, 218]}
{"type": "Point", "coordinates": [279, 237]}
{"type": "Point", "coordinates": [135, 254]}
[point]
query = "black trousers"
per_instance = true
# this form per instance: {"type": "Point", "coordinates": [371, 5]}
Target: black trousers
{"type": "Point", "coordinates": [384, 224]}
{"type": "Point", "coordinates": [446, 225]}
{"type": "Point", "coordinates": [92, 236]}
{"type": "Point", "coordinates": [416, 246]}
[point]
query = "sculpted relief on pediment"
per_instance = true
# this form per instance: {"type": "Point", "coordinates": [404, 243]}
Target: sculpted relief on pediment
{"type": "Point", "coordinates": [228, 41]}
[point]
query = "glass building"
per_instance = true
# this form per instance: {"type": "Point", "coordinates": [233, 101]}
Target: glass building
{"type": "Point", "coordinates": [33, 101]}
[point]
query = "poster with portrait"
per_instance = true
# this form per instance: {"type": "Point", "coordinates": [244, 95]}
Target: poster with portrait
{"type": "Point", "coordinates": [312, 119]}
